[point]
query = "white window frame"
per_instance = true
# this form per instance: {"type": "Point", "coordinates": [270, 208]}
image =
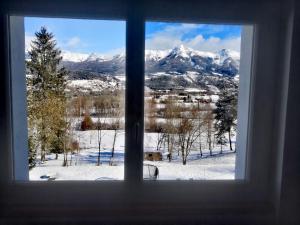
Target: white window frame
{"type": "Point", "coordinates": [19, 113]}
{"type": "Point", "coordinates": [202, 199]}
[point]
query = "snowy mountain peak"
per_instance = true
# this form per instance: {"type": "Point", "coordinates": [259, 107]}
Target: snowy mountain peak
{"type": "Point", "coordinates": [73, 56]}
{"type": "Point", "coordinates": [224, 54]}
{"type": "Point", "coordinates": [155, 55]}
{"type": "Point", "coordinates": [119, 56]}
{"type": "Point", "coordinates": [179, 60]}
{"type": "Point", "coordinates": [95, 57]}
{"type": "Point", "coordinates": [180, 50]}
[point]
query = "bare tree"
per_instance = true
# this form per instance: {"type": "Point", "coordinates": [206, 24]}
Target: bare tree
{"type": "Point", "coordinates": [160, 139]}
{"type": "Point", "coordinates": [188, 132]}
{"type": "Point", "coordinates": [221, 140]}
{"type": "Point", "coordinates": [151, 112]}
{"type": "Point", "coordinates": [100, 104]}
{"type": "Point", "coordinates": [171, 114]}
{"type": "Point", "coordinates": [117, 124]}
{"type": "Point", "coordinates": [201, 124]}
{"type": "Point", "coordinates": [68, 133]}
{"type": "Point", "coordinates": [208, 121]}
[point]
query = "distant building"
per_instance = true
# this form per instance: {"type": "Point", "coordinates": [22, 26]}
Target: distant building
{"type": "Point", "coordinates": [153, 156]}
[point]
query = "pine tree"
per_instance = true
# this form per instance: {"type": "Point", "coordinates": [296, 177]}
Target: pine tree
{"type": "Point", "coordinates": [226, 114]}
{"type": "Point", "coordinates": [46, 95]}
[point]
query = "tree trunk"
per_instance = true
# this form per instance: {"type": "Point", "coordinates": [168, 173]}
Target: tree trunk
{"type": "Point", "coordinates": [43, 141]}
{"type": "Point", "coordinates": [56, 156]}
{"type": "Point", "coordinates": [169, 148]}
{"type": "Point", "coordinates": [229, 137]}
{"type": "Point", "coordinates": [99, 151]}
{"type": "Point", "coordinates": [113, 148]}
{"type": "Point", "coordinates": [43, 157]}
{"type": "Point", "coordinates": [183, 156]}
{"type": "Point", "coordinates": [71, 158]}
{"type": "Point", "coordinates": [99, 145]}
{"type": "Point", "coordinates": [200, 146]}
{"type": "Point", "coordinates": [160, 138]}
{"type": "Point", "coordinates": [65, 163]}
{"type": "Point", "coordinates": [209, 140]}
{"type": "Point", "coordinates": [43, 145]}
{"type": "Point", "coordinates": [209, 144]}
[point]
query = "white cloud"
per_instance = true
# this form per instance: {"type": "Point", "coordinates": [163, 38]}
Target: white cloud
{"type": "Point", "coordinates": [161, 42]}
{"type": "Point", "coordinates": [172, 36]}
{"type": "Point", "coordinates": [169, 37]}
{"type": "Point", "coordinates": [73, 42]}
{"type": "Point", "coordinates": [213, 44]}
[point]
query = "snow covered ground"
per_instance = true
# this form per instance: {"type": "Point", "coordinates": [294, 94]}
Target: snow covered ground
{"type": "Point", "coordinates": [82, 166]}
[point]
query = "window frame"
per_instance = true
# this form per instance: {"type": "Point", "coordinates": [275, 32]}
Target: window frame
{"type": "Point", "coordinates": [214, 196]}
{"type": "Point", "coordinates": [132, 164]}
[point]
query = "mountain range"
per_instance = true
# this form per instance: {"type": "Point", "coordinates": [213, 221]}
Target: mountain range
{"type": "Point", "coordinates": [177, 68]}
{"type": "Point", "coordinates": [178, 61]}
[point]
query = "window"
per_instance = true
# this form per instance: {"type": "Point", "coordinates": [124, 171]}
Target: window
{"type": "Point", "coordinates": [76, 117]}
{"type": "Point", "coordinates": [249, 195]}
{"type": "Point", "coordinates": [76, 107]}
{"type": "Point", "coordinates": [191, 96]}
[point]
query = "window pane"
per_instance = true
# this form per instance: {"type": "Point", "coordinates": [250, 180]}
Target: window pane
{"type": "Point", "coordinates": [191, 95]}
{"type": "Point", "coordinates": [75, 71]}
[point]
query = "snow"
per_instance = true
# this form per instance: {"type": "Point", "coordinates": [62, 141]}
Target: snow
{"type": "Point", "coordinates": [121, 77]}
{"type": "Point", "coordinates": [188, 79]}
{"type": "Point", "coordinates": [213, 88]}
{"type": "Point", "coordinates": [80, 57]}
{"type": "Point", "coordinates": [223, 54]}
{"type": "Point", "coordinates": [181, 51]}
{"type": "Point", "coordinates": [108, 120]}
{"type": "Point", "coordinates": [95, 57]}
{"type": "Point", "coordinates": [192, 75]}
{"type": "Point", "coordinates": [203, 54]}
{"type": "Point", "coordinates": [237, 77]}
{"type": "Point", "coordinates": [155, 54]}
{"type": "Point", "coordinates": [95, 85]}
{"type": "Point", "coordinates": [194, 90]}
{"type": "Point", "coordinates": [159, 74]}
{"type": "Point", "coordinates": [74, 56]}
{"type": "Point", "coordinates": [214, 168]}
{"type": "Point", "coordinates": [88, 172]}
{"type": "Point", "coordinates": [83, 166]}
{"type": "Point", "coordinates": [214, 98]}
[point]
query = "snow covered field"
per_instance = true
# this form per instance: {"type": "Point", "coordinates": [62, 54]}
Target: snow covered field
{"type": "Point", "coordinates": [82, 166]}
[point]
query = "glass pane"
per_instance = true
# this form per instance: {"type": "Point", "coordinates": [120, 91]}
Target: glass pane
{"type": "Point", "coordinates": [75, 71]}
{"type": "Point", "coordinates": [191, 93]}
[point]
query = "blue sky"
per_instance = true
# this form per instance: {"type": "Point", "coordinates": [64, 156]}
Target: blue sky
{"type": "Point", "coordinates": [78, 35]}
{"type": "Point", "coordinates": [207, 30]}
{"type": "Point", "coordinates": [108, 37]}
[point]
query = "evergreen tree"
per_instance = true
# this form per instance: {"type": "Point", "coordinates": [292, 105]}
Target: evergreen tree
{"type": "Point", "coordinates": [226, 115]}
{"type": "Point", "coordinates": [46, 96]}
{"type": "Point", "coordinates": [221, 140]}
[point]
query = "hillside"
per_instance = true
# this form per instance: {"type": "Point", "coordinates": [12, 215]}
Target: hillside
{"type": "Point", "coordinates": [178, 68]}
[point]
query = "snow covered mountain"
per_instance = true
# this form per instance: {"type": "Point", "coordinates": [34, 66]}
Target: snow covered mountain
{"type": "Point", "coordinates": [179, 60]}
{"type": "Point", "coordinates": [178, 68]}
